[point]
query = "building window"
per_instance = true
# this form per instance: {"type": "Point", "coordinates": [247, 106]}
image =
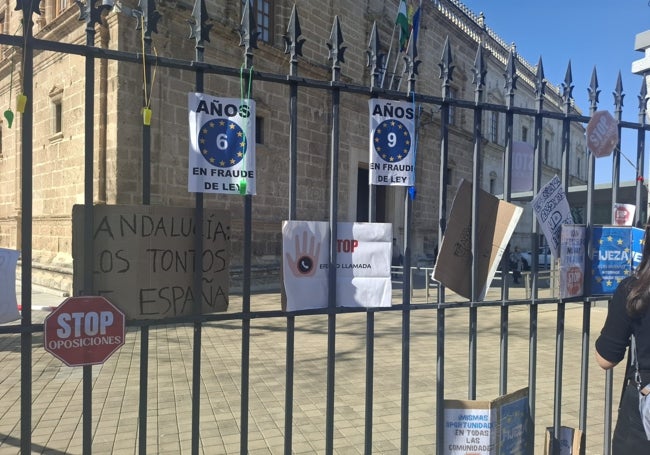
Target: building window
{"type": "Point", "coordinates": [450, 175]}
{"type": "Point", "coordinates": [263, 10]}
{"type": "Point", "coordinates": [60, 6]}
{"type": "Point", "coordinates": [494, 127]}
{"type": "Point", "coordinates": [56, 119]}
{"type": "Point", "coordinates": [547, 147]}
{"type": "Point", "coordinates": [524, 134]}
{"type": "Point", "coordinates": [493, 183]}
{"type": "Point", "coordinates": [578, 166]}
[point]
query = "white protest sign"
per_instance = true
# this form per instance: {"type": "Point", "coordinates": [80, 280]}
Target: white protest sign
{"type": "Point", "coordinates": [222, 145]}
{"type": "Point", "coordinates": [8, 303]}
{"type": "Point", "coordinates": [623, 214]}
{"type": "Point", "coordinates": [552, 211]}
{"type": "Point", "coordinates": [572, 261]}
{"type": "Point", "coordinates": [392, 142]}
{"type": "Point", "coordinates": [362, 269]}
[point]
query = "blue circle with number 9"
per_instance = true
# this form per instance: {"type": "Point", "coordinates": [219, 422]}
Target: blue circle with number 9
{"type": "Point", "coordinates": [392, 140]}
{"type": "Point", "coordinates": [222, 142]}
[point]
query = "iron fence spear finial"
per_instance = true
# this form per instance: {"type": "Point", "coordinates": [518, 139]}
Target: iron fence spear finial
{"type": "Point", "coordinates": [292, 39]}
{"type": "Point", "coordinates": [618, 94]}
{"type": "Point", "coordinates": [200, 25]}
{"type": "Point", "coordinates": [511, 74]}
{"type": "Point", "coordinates": [479, 71]}
{"type": "Point", "coordinates": [540, 82]}
{"type": "Point", "coordinates": [248, 32]}
{"type": "Point", "coordinates": [375, 57]}
{"type": "Point", "coordinates": [150, 17]}
{"type": "Point", "coordinates": [34, 6]}
{"type": "Point", "coordinates": [567, 86]}
{"type": "Point", "coordinates": [411, 62]}
{"type": "Point", "coordinates": [91, 13]}
{"type": "Point", "coordinates": [593, 90]}
{"type": "Point", "coordinates": [336, 48]}
{"type": "Point", "coordinates": [446, 68]}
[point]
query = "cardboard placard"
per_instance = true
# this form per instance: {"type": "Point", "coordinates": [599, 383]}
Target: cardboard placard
{"type": "Point", "coordinates": [143, 259]}
{"type": "Point", "coordinates": [571, 441]}
{"type": "Point", "coordinates": [496, 223]}
{"type": "Point", "coordinates": [500, 426]}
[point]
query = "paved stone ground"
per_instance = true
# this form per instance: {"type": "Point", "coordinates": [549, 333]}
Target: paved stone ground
{"type": "Point", "coordinates": [57, 389]}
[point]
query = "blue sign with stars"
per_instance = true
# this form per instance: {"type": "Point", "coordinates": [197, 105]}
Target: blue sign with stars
{"type": "Point", "coordinates": [392, 142]}
{"type": "Point", "coordinates": [222, 145]}
{"type": "Point", "coordinates": [616, 253]}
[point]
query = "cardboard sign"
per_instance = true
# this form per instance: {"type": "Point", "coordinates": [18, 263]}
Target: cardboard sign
{"type": "Point", "coordinates": [496, 223]}
{"type": "Point", "coordinates": [362, 270]}
{"type": "Point", "coordinates": [143, 259]}
{"type": "Point", "coordinates": [392, 142]}
{"type": "Point", "coordinates": [222, 145]}
{"type": "Point", "coordinates": [500, 426]}
{"type": "Point", "coordinates": [8, 302]}
{"type": "Point", "coordinates": [617, 251]}
{"type": "Point", "coordinates": [572, 261]}
{"type": "Point", "coordinates": [571, 441]}
{"type": "Point", "coordinates": [552, 210]}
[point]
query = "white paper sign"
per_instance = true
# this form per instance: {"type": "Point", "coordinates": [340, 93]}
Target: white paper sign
{"type": "Point", "coordinates": [623, 214]}
{"type": "Point", "coordinates": [392, 142]}
{"type": "Point", "coordinates": [470, 431]}
{"type": "Point", "coordinates": [552, 211]}
{"type": "Point", "coordinates": [363, 264]}
{"type": "Point", "coordinates": [572, 261]}
{"type": "Point", "coordinates": [8, 303]}
{"type": "Point", "coordinates": [222, 145]}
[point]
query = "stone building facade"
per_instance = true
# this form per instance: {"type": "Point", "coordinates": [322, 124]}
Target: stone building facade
{"type": "Point", "coordinates": [58, 137]}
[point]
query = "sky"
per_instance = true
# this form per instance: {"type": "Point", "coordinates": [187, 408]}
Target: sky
{"type": "Point", "coordinates": [588, 33]}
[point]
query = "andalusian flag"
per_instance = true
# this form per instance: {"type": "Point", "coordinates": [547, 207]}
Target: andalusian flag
{"type": "Point", "coordinates": [403, 22]}
{"type": "Point", "coordinates": [408, 19]}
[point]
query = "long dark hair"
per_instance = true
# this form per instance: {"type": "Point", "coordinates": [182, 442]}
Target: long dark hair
{"type": "Point", "coordinates": [638, 299]}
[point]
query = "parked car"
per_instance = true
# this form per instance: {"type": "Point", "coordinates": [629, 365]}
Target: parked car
{"type": "Point", "coordinates": [544, 258]}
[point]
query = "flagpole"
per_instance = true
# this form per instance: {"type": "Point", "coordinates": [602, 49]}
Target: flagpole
{"type": "Point", "coordinates": [390, 49]}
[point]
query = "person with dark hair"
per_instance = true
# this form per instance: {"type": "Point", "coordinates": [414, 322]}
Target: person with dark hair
{"type": "Point", "coordinates": [628, 315]}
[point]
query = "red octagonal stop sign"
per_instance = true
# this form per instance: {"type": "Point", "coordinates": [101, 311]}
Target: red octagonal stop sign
{"type": "Point", "coordinates": [602, 134]}
{"type": "Point", "coordinates": [84, 330]}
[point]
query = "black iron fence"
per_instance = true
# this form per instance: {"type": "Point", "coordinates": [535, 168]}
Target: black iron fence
{"type": "Point", "coordinates": [503, 299]}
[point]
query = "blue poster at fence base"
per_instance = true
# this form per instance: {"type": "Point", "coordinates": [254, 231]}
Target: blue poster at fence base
{"type": "Point", "coordinates": [616, 253]}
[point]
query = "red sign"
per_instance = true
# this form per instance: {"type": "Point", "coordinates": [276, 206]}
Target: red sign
{"type": "Point", "coordinates": [602, 134]}
{"type": "Point", "coordinates": [84, 330]}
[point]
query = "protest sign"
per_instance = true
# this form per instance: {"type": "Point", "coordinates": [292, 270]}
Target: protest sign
{"type": "Point", "coordinates": [8, 302]}
{"type": "Point", "coordinates": [623, 214]}
{"type": "Point", "coordinates": [392, 142]}
{"type": "Point", "coordinates": [617, 251]}
{"type": "Point", "coordinates": [495, 225]}
{"type": "Point", "coordinates": [572, 261]}
{"type": "Point", "coordinates": [552, 210]}
{"type": "Point", "coordinates": [144, 259]}
{"type": "Point", "coordinates": [362, 264]}
{"type": "Point", "coordinates": [222, 145]}
{"type": "Point", "coordinates": [500, 426]}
